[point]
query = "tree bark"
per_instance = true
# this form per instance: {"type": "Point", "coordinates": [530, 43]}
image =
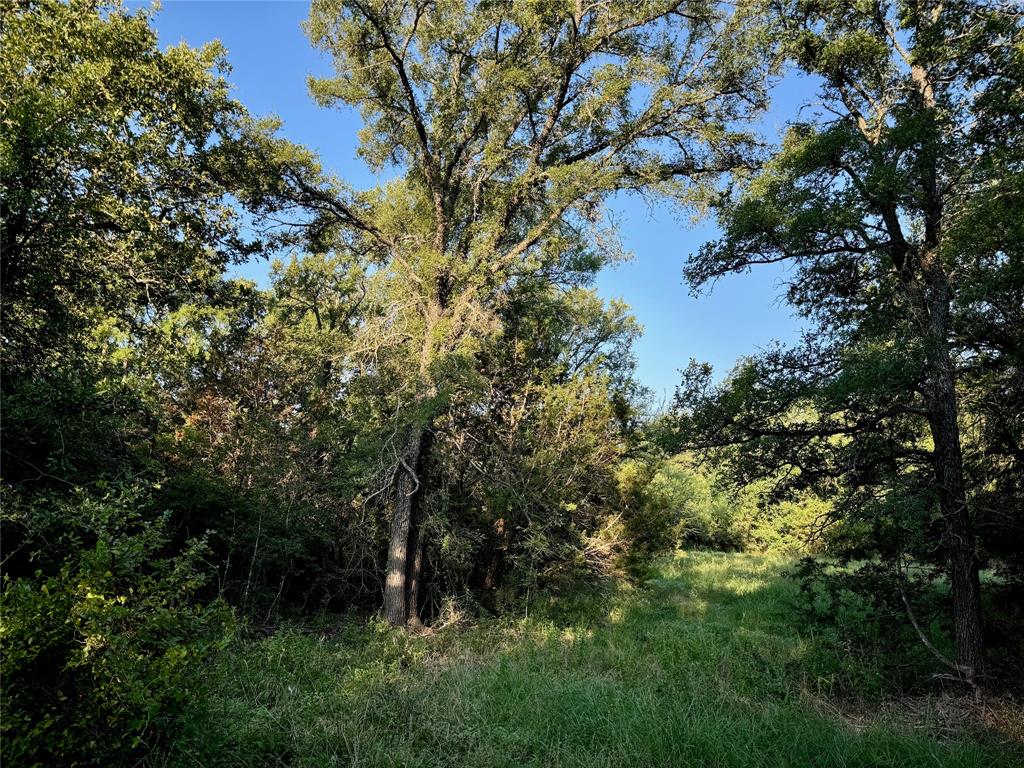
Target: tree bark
{"type": "Point", "coordinates": [934, 297]}
{"type": "Point", "coordinates": [415, 569]}
{"type": "Point", "coordinates": [959, 538]}
{"type": "Point", "coordinates": [396, 605]}
{"type": "Point", "coordinates": [401, 582]}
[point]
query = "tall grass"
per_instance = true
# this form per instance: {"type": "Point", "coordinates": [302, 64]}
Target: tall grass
{"type": "Point", "coordinates": [706, 666]}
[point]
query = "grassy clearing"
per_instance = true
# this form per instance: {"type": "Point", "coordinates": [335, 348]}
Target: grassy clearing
{"type": "Point", "coordinates": [705, 667]}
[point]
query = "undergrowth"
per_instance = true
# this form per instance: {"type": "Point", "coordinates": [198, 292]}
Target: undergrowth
{"type": "Point", "coordinates": [708, 664]}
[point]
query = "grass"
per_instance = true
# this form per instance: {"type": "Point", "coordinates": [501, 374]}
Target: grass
{"type": "Point", "coordinates": [705, 666]}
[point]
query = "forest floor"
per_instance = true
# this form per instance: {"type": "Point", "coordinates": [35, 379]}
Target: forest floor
{"type": "Point", "coordinates": [708, 664]}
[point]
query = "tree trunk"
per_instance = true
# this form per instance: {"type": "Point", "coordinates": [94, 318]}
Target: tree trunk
{"type": "Point", "coordinates": [401, 583]}
{"type": "Point", "coordinates": [959, 538]}
{"type": "Point", "coordinates": [933, 313]}
{"type": "Point", "coordinates": [396, 607]}
{"type": "Point", "coordinates": [414, 571]}
{"type": "Point", "coordinates": [497, 554]}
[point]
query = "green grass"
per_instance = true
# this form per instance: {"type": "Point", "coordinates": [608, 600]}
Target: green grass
{"type": "Point", "coordinates": [706, 666]}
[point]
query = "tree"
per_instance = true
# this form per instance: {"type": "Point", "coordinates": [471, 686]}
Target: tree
{"type": "Point", "coordinates": [523, 473]}
{"type": "Point", "coordinates": [269, 439]}
{"type": "Point", "coordinates": [129, 179]}
{"type": "Point", "coordinates": [512, 122]}
{"type": "Point", "coordinates": [916, 145]}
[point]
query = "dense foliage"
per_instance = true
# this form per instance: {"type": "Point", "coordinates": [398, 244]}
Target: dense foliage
{"type": "Point", "coordinates": [900, 206]}
{"type": "Point", "coordinates": [102, 643]}
{"type": "Point", "coordinates": [123, 175]}
{"type": "Point", "coordinates": [427, 411]}
{"type": "Point", "coordinates": [176, 442]}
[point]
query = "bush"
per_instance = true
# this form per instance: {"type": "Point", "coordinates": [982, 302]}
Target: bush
{"type": "Point", "coordinates": [100, 643]}
{"type": "Point", "coordinates": [698, 514]}
{"type": "Point", "coordinates": [791, 526]}
{"type": "Point", "coordinates": [694, 505]}
{"type": "Point", "coordinates": [859, 607]}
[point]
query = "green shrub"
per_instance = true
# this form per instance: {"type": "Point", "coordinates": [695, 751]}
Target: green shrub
{"type": "Point", "coordinates": [100, 642]}
{"type": "Point", "coordinates": [694, 504]}
{"type": "Point", "coordinates": [859, 609]}
{"type": "Point", "coordinates": [792, 526]}
{"type": "Point", "coordinates": [701, 515]}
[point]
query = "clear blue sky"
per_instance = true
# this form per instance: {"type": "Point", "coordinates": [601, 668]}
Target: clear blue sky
{"type": "Point", "coordinates": [271, 58]}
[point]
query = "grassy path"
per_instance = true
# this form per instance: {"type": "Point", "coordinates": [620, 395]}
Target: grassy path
{"type": "Point", "coordinates": [706, 667]}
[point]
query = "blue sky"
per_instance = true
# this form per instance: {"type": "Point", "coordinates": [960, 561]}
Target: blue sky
{"type": "Point", "coordinates": [271, 58]}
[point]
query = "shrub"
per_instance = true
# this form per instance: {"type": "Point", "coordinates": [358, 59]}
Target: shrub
{"type": "Point", "coordinates": [701, 515]}
{"type": "Point", "coordinates": [101, 640]}
{"type": "Point", "coordinates": [697, 507]}
{"type": "Point", "coordinates": [860, 609]}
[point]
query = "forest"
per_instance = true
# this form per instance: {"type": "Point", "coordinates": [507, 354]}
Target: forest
{"type": "Point", "coordinates": [407, 501]}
